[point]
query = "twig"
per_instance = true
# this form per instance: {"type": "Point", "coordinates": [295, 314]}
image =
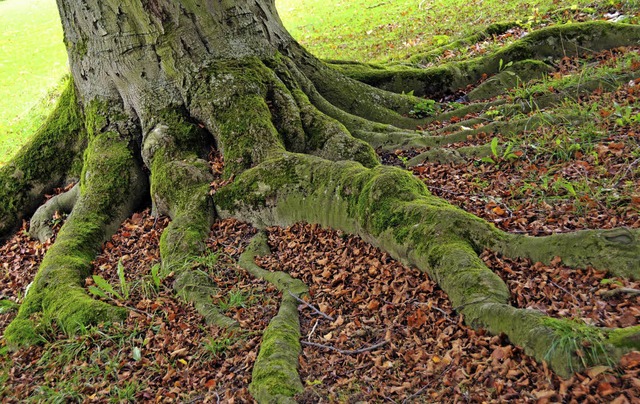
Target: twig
{"type": "Point", "coordinates": [346, 352]}
{"type": "Point", "coordinates": [629, 167]}
{"type": "Point", "coordinates": [328, 317]}
{"type": "Point", "coordinates": [563, 289]}
{"type": "Point", "coordinates": [619, 291]}
{"type": "Point", "coordinates": [313, 329]}
{"type": "Point", "coordinates": [446, 315]}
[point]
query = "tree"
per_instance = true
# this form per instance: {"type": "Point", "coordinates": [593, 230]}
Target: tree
{"type": "Point", "coordinates": [156, 84]}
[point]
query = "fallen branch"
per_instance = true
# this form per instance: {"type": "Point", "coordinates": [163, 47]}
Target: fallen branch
{"type": "Point", "coordinates": [313, 329]}
{"type": "Point", "coordinates": [343, 351]}
{"type": "Point", "coordinates": [328, 317]}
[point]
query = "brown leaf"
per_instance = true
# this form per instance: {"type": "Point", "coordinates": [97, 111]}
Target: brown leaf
{"type": "Point", "coordinates": [417, 319]}
{"type": "Point", "coordinates": [605, 389]}
{"type": "Point", "coordinates": [630, 360]}
{"type": "Point", "coordinates": [596, 370]}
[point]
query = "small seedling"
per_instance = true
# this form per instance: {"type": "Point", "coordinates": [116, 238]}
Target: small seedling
{"type": "Point", "coordinates": [423, 109]}
{"type": "Point", "coordinates": [502, 65]}
{"type": "Point", "coordinates": [497, 157]}
{"type": "Point", "coordinates": [104, 289]}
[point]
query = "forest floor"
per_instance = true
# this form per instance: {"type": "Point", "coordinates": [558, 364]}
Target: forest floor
{"type": "Point", "coordinates": [373, 330]}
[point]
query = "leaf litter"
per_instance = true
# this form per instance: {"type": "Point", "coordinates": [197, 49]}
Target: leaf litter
{"type": "Point", "coordinates": [386, 333]}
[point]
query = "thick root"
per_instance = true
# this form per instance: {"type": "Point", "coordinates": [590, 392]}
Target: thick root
{"type": "Point", "coordinates": [40, 225]}
{"type": "Point", "coordinates": [172, 150]}
{"type": "Point", "coordinates": [111, 188]}
{"type": "Point", "coordinates": [616, 251]}
{"type": "Point", "coordinates": [275, 374]}
{"type": "Point", "coordinates": [545, 44]}
{"type": "Point", "coordinates": [358, 99]}
{"type": "Point", "coordinates": [393, 210]}
{"type": "Point", "coordinates": [43, 164]}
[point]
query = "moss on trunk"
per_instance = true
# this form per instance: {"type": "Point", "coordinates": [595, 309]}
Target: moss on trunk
{"type": "Point", "coordinates": [52, 155]}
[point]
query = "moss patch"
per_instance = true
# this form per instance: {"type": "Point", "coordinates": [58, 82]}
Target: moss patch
{"type": "Point", "coordinates": [43, 163]}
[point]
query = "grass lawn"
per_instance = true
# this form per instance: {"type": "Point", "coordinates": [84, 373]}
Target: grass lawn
{"type": "Point", "coordinates": [32, 61]}
{"type": "Point", "coordinates": [378, 30]}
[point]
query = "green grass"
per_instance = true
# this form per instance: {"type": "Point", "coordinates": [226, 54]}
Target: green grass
{"type": "Point", "coordinates": [378, 30]}
{"type": "Point", "coordinates": [32, 61]}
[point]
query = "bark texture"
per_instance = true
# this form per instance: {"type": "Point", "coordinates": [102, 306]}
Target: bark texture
{"type": "Point", "coordinates": [156, 84]}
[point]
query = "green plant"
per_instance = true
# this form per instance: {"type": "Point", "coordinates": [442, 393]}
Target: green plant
{"type": "Point", "coordinates": [502, 66]}
{"type": "Point", "coordinates": [124, 286]}
{"type": "Point", "coordinates": [577, 341]}
{"type": "Point", "coordinates": [208, 260]}
{"type": "Point", "coordinates": [104, 289]}
{"type": "Point", "coordinates": [626, 115]}
{"type": "Point", "coordinates": [609, 281]}
{"type": "Point", "coordinates": [235, 298]}
{"type": "Point", "coordinates": [423, 109]}
{"type": "Point", "coordinates": [155, 276]}
{"type": "Point", "coordinates": [561, 183]}
{"type": "Point", "coordinates": [216, 347]}
{"type": "Point", "coordinates": [497, 157]}
{"type": "Point", "coordinates": [492, 113]}
{"type": "Point", "coordinates": [125, 393]}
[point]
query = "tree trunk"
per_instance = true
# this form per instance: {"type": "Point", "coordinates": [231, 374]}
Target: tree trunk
{"type": "Point", "coordinates": [156, 84]}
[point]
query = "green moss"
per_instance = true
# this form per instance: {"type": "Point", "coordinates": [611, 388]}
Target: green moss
{"type": "Point", "coordinates": [58, 289]}
{"type": "Point", "coordinates": [360, 100]}
{"type": "Point", "coordinates": [43, 163]}
{"type": "Point", "coordinates": [328, 138]}
{"type": "Point", "coordinates": [106, 173]}
{"type": "Point", "coordinates": [625, 337]}
{"type": "Point", "coordinates": [275, 372]}
{"type": "Point", "coordinates": [22, 332]}
{"type": "Point", "coordinates": [246, 134]}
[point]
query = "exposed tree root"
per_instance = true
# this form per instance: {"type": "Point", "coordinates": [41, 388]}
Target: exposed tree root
{"type": "Point", "coordinates": [263, 113]}
{"type": "Point", "coordinates": [392, 210]}
{"type": "Point", "coordinates": [40, 225]}
{"type": "Point", "coordinates": [43, 164]}
{"type": "Point", "coordinates": [281, 280]}
{"type": "Point", "coordinates": [275, 376]}
{"type": "Point", "coordinates": [547, 43]}
{"type": "Point", "coordinates": [172, 150]}
{"type": "Point", "coordinates": [111, 187]}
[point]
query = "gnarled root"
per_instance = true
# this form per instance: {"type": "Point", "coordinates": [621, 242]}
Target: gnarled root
{"type": "Point", "coordinates": [40, 225]}
{"type": "Point", "coordinates": [393, 210]}
{"type": "Point", "coordinates": [180, 181]}
{"type": "Point", "coordinates": [43, 164]}
{"type": "Point", "coordinates": [111, 188]}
